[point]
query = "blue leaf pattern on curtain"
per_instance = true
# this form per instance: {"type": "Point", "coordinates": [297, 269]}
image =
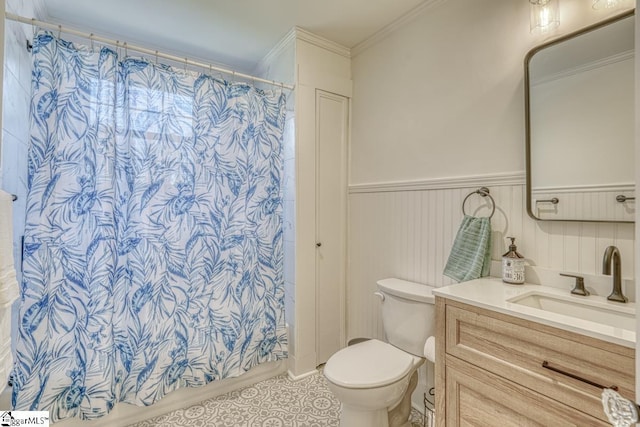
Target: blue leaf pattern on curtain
{"type": "Point", "coordinates": [153, 247]}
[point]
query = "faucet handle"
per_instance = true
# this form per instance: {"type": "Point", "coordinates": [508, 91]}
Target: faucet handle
{"type": "Point", "coordinates": [578, 288]}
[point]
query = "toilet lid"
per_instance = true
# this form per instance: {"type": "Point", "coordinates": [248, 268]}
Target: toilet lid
{"type": "Point", "coordinates": [368, 364]}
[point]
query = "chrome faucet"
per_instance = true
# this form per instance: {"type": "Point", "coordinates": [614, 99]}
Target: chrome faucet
{"type": "Point", "coordinates": [612, 256]}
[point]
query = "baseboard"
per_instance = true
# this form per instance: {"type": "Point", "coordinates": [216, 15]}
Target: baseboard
{"type": "Point", "coordinates": [125, 414]}
{"type": "Point", "coordinates": [299, 367]}
{"type": "Point", "coordinates": [293, 377]}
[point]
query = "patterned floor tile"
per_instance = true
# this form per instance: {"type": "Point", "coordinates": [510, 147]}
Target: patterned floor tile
{"type": "Point", "coordinates": [276, 402]}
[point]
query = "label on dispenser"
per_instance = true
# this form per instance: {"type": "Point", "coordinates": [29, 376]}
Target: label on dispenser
{"type": "Point", "coordinates": [513, 270]}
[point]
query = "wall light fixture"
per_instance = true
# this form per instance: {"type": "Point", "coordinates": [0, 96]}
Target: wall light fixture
{"type": "Point", "coordinates": [544, 15]}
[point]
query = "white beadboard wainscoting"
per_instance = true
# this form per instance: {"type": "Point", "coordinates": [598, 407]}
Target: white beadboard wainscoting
{"type": "Point", "coordinates": [406, 230]}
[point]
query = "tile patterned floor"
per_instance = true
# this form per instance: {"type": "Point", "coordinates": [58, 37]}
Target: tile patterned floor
{"type": "Point", "coordinates": [276, 402]}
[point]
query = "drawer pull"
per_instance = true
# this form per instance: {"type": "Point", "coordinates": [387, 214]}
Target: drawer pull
{"type": "Point", "coordinates": [546, 365]}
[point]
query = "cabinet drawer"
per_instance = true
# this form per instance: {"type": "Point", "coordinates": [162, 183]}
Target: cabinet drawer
{"type": "Point", "coordinates": [516, 349]}
{"type": "Point", "coordinates": [478, 398]}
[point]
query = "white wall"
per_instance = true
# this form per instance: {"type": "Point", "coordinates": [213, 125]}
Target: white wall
{"type": "Point", "coordinates": [438, 111]}
{"type": "Point", "coordinates": [443, 94]}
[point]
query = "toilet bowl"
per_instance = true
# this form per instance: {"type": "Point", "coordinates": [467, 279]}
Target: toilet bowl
{"type": "Point", "coordinates": [371, 379]}
{"type": "Point", "coordinates": [374, 380]}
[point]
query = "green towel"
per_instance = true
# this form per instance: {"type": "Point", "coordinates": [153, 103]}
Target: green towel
{"type": "Point", "coordinates": [470, 257]}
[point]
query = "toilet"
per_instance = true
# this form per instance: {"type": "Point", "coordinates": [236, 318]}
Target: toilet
{"type": "Point", "coordinates": [373, 380]}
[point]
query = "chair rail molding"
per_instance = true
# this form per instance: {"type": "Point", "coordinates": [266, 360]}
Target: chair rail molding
{"type": "Point", "coordinates": [497, 179]}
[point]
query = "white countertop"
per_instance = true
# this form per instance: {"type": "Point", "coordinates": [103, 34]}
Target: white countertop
{"type": "Point", "coordinates": [492, 293]}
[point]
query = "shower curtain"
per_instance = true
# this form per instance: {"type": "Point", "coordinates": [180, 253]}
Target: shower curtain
{"type": "Point", "coordinates": [153, 246]}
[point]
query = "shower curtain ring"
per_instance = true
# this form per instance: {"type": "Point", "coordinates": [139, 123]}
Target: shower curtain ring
{"type": "Point", "coordinates": [91, 40]}
{"type": "Point", "coordinates": [185, 64]}
{"type": "Point", "coordinates": [126, 51]}
{"type": "Point", "coordinates": [59, 30]}
{"type": "Point", "coordinates": [156, 57]}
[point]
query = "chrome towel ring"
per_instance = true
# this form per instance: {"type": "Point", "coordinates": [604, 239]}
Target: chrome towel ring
{"type": "Point", "coordinates": [484, 192]}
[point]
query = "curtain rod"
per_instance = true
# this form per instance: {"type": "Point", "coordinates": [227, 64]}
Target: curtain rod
{"type": "Point", "coordinates": [155, 53]}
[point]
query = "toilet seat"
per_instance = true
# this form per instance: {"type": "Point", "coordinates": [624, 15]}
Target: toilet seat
{"type": "Point", "coordinates": [369, 364]}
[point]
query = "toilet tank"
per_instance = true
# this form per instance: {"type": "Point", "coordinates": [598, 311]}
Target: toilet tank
{"type": "Point", "coordinates": [408, 314]}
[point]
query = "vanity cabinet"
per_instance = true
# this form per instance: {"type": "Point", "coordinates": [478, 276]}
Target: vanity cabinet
{"type": "Point", "coordinates": [494, 369]}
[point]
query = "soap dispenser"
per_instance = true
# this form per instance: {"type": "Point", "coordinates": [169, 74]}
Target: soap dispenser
{"type": "Point", "coordinates": [513, 265]}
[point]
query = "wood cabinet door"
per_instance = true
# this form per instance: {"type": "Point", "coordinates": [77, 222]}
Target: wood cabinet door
{"type": "Point", "coordinates": [476, 397]}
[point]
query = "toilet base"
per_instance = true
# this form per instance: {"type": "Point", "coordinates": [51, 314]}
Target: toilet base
{"type": "Point", "coordinates": [397, 417]}
{"type": "Point", "coordinates": [356, 417]}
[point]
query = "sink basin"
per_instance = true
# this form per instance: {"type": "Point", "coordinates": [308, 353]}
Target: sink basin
{"type": "Point", "coordinates": [592, 308]}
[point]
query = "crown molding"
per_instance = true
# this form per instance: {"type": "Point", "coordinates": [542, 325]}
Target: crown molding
{"type": "Point", "coordinates": [394, 26]}
{"type": "Point", "coordinates": [487, 180]}
{"type": "Point", "coordinates": [283, 44]}
{"type": "Point", "coordinates": [304, 35]}
{"type": "Point", "coordinates": [295, 34]}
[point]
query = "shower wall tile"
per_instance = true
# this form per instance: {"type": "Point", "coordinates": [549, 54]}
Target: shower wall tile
{"type": "Point", "coordinates": [289, 189]}
{"type": "Point", "coordinates": [15, 101]}
{"type": "Point", "coordinates": [10, 154]}
{"type": "Point", "coordinates": [289, 225]}
{"type": "Point", "coordinates": [288, 222]}
{"type": "Point", "coordinates": [15, 121]}
{"type": "Point", "coordinates": [22, 7]}
{"type": "Point", "coordinates": [16, 97]}
{"type": "Point", "coordinates": [12, 49]}
{"type": "Point", "coordinates": [289, 312]}
{"type": "Point", "coordinates": [289, 260]}
{"type": "Point", "coordinates": [289, 136]}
